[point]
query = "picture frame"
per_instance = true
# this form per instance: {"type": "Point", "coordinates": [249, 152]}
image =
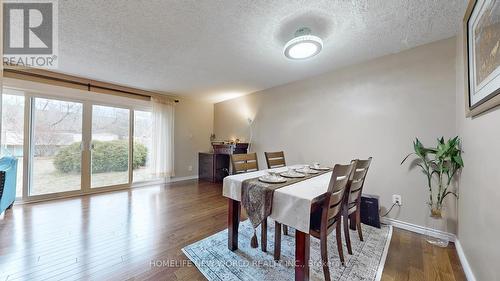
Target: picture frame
{"type": "Point", "coordinates": [481, 47]}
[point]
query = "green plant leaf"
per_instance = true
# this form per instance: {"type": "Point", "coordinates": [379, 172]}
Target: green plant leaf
{"type": "Point", "coordinates": [419, 148]}
{"type": "Point", "coordinates": [453, 142]}
{"type": "Point", "coordinates": [458, 160]}
{"type": "Point", "coordinates": [431, 150]}
{"type": "Point", "coordinates": [406, 158]}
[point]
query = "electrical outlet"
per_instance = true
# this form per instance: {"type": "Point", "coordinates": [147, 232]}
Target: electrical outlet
{"type": "Point", "coordinates": [396, 199]}
{"type": "Point", "coordinates": [190, 168]}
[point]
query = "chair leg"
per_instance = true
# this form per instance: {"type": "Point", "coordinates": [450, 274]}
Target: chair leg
{"type": "Point", "coordinates": [339, 243]}
{"type": "Point", "coordinates": [358, 224]}
{"type": "Point", "coordinates": [277, 241]}
{"type": "Point", "coordinates": [233, 222]}
{"type": "Point", "coordinates": [352, 221]}
{"type": "Point", "coordinates": [263, 237]}
{"type": "Point", "coordinates": [324, 258]}
{"type": "Point", "coordinates": [285, 230]}
{"type": "Point", "coordinates": [346, 233]}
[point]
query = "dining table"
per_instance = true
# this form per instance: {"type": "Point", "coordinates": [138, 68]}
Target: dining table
{"type": "Point", "coordinates": [292, 206]}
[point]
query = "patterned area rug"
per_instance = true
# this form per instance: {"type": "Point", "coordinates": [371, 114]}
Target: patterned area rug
{"type": "Point", "coordinates": [216, 262]}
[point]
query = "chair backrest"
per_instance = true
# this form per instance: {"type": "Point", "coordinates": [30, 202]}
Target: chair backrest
{"type": "Point", "coordinates": [275, 159]}
{"type": "Point", "coordinates": [243, 163]}
{"type": "Point", "coordinates": [357, 180]}
{"type": "Point", "coordinates": [332, 206]}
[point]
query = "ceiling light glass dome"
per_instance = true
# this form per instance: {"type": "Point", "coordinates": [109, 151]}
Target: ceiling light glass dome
{"type": "Point", "coordinates": [303, 46]}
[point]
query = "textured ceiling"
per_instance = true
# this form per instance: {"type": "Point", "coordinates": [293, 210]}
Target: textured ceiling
{"type": "Point", "coordinates": [219, 49]}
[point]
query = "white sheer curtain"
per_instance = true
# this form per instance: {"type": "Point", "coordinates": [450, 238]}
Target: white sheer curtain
{"type": "Point", "coordinates": [162, 159]}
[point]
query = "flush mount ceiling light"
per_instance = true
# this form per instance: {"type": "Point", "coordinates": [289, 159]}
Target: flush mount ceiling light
{"type": "Point", "coordinates": [303, 46]}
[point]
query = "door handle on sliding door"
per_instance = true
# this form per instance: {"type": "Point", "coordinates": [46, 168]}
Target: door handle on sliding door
{"type": "Point", "coordinates": [91, 146]}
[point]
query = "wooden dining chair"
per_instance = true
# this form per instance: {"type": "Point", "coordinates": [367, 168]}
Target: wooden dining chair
{"type": "Point", "coordinates": [352, 201]}
{"type": "Point", "coordinates": [275, 159]}
{"type": "Point", "coordinates": [326, 215]}
{"type": "Point", "coordinates": [243, 163]}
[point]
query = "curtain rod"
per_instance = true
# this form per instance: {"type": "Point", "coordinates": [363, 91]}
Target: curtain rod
{"type": "Point", "coordinates": [89, 85]}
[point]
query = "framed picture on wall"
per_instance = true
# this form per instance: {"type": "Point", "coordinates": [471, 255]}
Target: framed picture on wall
{"type": "Point", "coordinates": [482, 55]}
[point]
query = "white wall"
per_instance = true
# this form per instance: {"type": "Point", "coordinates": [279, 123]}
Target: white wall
{"type": "Point", "coordinates": [478, 216]}
{"type": "Point", "coordinates": [193, 126]}
{"type": "Point", "coordinates": [373, 109]}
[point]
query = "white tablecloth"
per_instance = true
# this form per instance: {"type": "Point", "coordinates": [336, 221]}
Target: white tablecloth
{"type": "Point", "coordinates": [292, 203]}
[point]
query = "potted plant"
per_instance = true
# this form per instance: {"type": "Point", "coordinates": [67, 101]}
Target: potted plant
{"type": "Point", "coordinates": [440, 165]}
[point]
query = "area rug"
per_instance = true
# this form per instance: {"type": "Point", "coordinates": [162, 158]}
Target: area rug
{"type": "Point", "coordinates": [212, 257]}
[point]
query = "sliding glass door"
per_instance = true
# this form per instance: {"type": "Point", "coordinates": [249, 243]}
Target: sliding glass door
{"type": "Point", "coordinates": [13, 132]}
{"type": "Point", "coordinates": [56, 150]}
{"type": "Point", "coordinates": [67, 146]}
{"type": "Point", "coordinates": [110, 147]}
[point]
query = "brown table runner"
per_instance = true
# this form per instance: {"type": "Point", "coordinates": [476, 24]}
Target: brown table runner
{"type": "Point", "coordinates": [257, 199]}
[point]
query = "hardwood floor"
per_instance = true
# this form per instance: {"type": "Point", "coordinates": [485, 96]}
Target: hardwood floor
{"type": "Point", "coordinates": [138, 235]}
{"type": "Point", "coordinates": [410, 257]}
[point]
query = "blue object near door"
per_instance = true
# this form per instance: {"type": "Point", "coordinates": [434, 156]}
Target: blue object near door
{"type": "Point", "coordinates": [8, 169]}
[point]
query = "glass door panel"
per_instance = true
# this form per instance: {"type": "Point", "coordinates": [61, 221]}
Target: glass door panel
{"type": "Point", "coordinates": [143, 143]}
{"type": "Point", "coordinates": [13, 132]}
{"type": "Point", "coordinates": [56, 146]}
{"type": "Point", "coordinates": [110, 146]}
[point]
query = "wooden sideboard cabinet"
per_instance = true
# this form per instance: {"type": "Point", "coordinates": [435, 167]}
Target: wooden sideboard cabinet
{"type": "Point", "coordinates": [214, 166]}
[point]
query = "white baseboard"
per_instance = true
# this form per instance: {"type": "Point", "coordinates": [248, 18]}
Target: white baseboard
{"type": "Point", "coordinates": [164, 181]}
{"type": "Point", "coordinates": [463, 260]}
{"type": "Point", "coordinates": [420, 229]}
{"type": "Point", "coordinates": [438, 234]}
{"type": "Point", "coordinates": [176, 179]}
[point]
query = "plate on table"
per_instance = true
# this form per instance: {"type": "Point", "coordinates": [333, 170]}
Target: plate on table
{"type": "Point", "coordinates": [307, 171]}
{"type": "Point", "coordinates": [292, 175]}
{"type": "Point", "coordinates": [320, 168]}
{"type": "Point", "coordinates": [272, 179]}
